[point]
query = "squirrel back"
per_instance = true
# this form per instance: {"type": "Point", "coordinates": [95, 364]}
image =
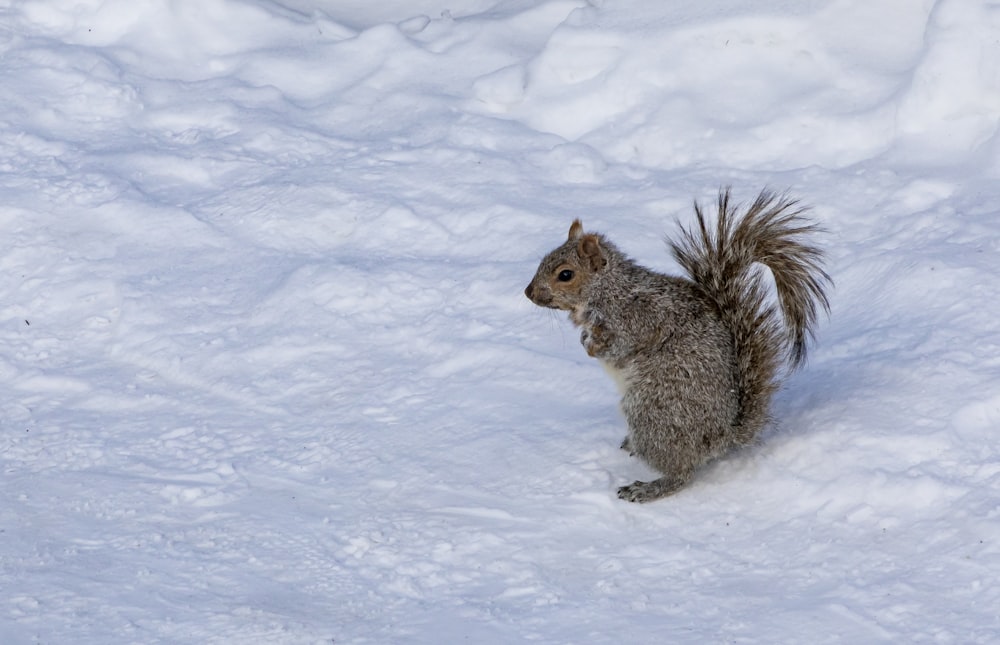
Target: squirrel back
{"type": "Point", "coordinates": [698, 358]}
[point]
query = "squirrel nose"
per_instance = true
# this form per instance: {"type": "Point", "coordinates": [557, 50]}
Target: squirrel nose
{"type": "Point", "coordinates": [528, 291]}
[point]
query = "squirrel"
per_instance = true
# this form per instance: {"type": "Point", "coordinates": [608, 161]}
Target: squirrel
{"type": "Point", "coordinates": [697, 358]}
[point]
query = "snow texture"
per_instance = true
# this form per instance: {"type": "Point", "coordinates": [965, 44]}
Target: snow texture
{"type": "Point", "coordinates": [269, 376]}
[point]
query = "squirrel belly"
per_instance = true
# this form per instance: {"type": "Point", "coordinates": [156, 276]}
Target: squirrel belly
{"type": "Point", "coordinates": [617, 375]}
{"type": "Point", "coordinates": [697, 358]}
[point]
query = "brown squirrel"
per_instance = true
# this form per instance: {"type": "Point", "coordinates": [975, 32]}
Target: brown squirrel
{"type": "Point", "coordinates": [697, 359]}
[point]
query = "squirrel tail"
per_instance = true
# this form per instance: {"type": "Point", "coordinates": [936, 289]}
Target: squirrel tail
{"type": "Point", "coordinates": [722, 263]}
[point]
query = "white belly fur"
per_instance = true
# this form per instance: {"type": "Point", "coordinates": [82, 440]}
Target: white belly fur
{"type": "Point", "coordinates": [617, 375]}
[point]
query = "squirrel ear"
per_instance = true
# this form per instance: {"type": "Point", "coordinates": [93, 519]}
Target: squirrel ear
{"type": "Point", "coordinates": [576, 230]}
{"type": "Point", "coordinates": [590, 251]}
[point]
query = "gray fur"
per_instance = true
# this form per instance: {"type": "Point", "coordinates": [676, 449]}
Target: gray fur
{"type": "Point", "coordinates": [698, 358]}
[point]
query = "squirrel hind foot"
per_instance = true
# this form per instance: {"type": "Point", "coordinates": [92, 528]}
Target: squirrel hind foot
{"type": "Point", "coordinates": [643, 492]}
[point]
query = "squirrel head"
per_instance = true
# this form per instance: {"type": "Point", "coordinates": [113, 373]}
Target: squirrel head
{"type": "Point", "coordinates": [565, 275]}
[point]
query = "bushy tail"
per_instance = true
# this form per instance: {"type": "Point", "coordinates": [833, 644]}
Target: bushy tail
{"type": "Point", "coordinates": [722, 262]}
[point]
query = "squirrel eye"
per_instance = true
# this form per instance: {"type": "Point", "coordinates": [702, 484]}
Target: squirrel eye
{"type": "Point", "coordinates": [565, 275]}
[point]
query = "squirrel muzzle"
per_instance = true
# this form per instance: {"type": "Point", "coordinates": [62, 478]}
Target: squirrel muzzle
{"type": "Point", "coordinates": [541, 296]}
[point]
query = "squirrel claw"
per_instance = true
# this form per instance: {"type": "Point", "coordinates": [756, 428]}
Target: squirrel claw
{"type": "Point", "coordinates": [633, 492]}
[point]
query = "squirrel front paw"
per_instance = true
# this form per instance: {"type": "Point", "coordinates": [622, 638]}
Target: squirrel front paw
{"type": "Point", "coordinates": [595, 340]}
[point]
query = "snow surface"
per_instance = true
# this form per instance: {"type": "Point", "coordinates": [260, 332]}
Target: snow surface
{"type": "Point", "coordinates": [269, 375]}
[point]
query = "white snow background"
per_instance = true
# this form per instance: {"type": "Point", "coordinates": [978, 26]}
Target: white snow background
{"type": "Point", "coordinates": [267, 373]}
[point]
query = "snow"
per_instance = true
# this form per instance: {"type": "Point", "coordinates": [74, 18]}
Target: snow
{"type": "Point", "coordinates": [269, 375]}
